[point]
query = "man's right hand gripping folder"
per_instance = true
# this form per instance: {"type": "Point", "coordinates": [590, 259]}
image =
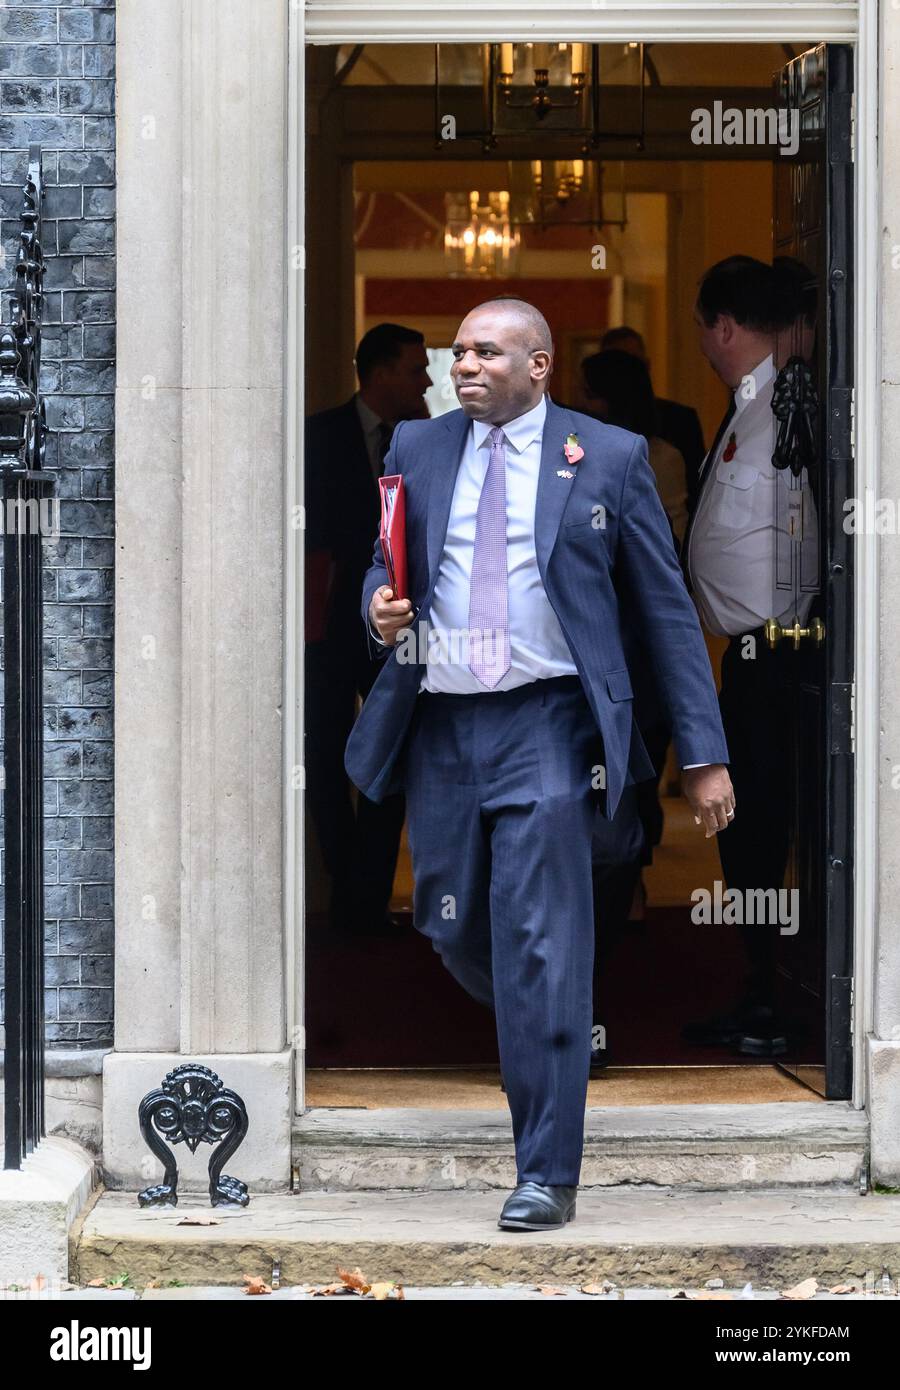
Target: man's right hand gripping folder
{"type": "Point", "coordinates": [393, 532]}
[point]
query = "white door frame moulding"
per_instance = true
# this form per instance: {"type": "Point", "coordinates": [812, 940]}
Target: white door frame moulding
{"type": "Point", "coordinates": [648, 21]}
{"type": "Point", "coordinates": [292, 694]}
{"type": "Point", "coordinates": [432, 21]}
{"type": "Point", "coordinates": [867, 385]}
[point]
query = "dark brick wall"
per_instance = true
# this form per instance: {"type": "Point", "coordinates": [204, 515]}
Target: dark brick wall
{"type": "Point", "coordinates": [57, 88]}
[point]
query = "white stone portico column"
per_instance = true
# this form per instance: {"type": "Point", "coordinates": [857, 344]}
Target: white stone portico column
{"type": "Point", "coordinates": [883, 1041]}
{"type": "Point", "coordinates": [199, 949]}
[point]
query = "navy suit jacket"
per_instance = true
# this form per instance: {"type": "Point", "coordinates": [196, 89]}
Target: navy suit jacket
{"type": "Point", "coordinates": [592, 577]}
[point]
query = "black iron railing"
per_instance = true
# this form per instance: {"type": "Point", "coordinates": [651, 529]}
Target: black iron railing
{"type": "Point", "coordinates": [27, 493]}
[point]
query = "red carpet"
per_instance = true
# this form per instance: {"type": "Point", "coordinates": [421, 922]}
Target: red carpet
{"type": "Point", "coordinates": [391, 1003]}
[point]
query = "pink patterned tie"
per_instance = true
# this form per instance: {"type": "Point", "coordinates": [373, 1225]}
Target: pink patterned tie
{"type": "Point", "coordinates": [488, 597]}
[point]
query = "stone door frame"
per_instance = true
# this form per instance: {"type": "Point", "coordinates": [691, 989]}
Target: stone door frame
{"type": "Point", "coordinates": [321, 22]}
{"type": "Point", "coordinates": [209, 411]}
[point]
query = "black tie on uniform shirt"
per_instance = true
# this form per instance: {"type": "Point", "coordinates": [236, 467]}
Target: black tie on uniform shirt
{"type": "Point", "coordinates": [701, 483]}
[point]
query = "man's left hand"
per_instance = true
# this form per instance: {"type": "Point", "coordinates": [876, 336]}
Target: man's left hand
{"type": "Point", "coordinates": [710, 796]}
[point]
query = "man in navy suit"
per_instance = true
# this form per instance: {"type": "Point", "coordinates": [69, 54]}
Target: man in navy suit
{"type": "Point", "coordinates": [504, 707]}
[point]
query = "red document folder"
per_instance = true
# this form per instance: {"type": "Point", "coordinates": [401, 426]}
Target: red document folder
{"type": "Point", "coordinates": [393, 532]}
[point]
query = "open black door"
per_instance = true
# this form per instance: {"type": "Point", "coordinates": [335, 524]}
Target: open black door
{"type": "Point", "coordinates": [813, 406]}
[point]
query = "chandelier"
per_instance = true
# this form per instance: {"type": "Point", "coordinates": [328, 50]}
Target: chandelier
{"type": "Point", "coordinates": [479, 237]}
{"type": "Point", "coordinates": [482, 231]}
{"type": "Point", "coordinates": [542, 56]}
{"type": "Point", "coordinates": [551, 88]}
{"type": "Point", "coordinates": [566, 179]}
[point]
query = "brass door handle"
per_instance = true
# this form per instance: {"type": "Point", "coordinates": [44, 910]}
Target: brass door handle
{"type": "Point", "coordinates": [775, 632]}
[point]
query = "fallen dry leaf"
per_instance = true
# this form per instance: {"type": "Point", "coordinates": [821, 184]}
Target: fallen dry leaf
{"type": "Point", "coordinates": [354, 1282]}
{"type": "Point", "coordinates": [549, 1290]}
{"type": "Point", "coordinates": [842, 1288]}
{"type": "Point", "coordinates": [96, 1283]}
{"type": "Point", "coordinates": [255, 1284]}
{"type": "Point", "coordinates": [387, 1290]}
{"type": "Point", "coordinates": [198, 1221]}
{"type": "Point", "coordinates": [605, 1287]}
{"type": "Point", "coordinates": [355, 1279]}
{"type": "Point", "coordinates": [805, 1289]}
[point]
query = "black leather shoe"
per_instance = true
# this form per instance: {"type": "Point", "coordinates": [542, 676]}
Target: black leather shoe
{"type": "Point", "coordinates": [769, 1040]}
{"type": "Point", "coordinates": [534, 1207]}
{"type": "Point", "coordinates": [720, 1030]}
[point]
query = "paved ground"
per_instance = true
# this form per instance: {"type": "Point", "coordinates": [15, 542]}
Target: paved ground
{"type": "Point", "coordinates": [449, 1294]}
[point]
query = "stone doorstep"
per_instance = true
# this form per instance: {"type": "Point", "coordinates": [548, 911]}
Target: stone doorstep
{"type": "Point", "coordinates": [708, 1147]}
{"type": "Point", "coordinates": [667, 1238]}
{"type": "Point", "coordinates": [40, 1204]}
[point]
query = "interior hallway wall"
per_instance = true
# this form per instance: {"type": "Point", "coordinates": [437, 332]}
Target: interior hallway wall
{"type": "Point", "coordinates": [723, 208]}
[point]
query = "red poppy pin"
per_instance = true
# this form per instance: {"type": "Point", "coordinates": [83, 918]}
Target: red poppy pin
{"type": "Point", "coordinates": [573, 452]}
{"type": "Point", "coordinates": [730, 448]}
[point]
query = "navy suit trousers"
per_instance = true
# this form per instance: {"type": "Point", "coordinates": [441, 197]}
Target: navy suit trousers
{"type": "Point", "coordinates": [500, 812]}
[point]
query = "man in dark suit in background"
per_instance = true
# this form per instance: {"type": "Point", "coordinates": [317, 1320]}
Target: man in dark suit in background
{"type": "Point", "coordinates": [344, 456]}
{"type": "Point", "coordinates": [678, 424]}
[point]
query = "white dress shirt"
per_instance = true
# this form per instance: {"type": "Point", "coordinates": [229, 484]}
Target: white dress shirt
{"type": "Point", "coordinates": [743, 564]}
{"type": "Point", "coordinates": [538, 649]}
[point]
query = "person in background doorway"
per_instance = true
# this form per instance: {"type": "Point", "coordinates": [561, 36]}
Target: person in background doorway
{"type": "Point", "coordinates": [796, 291]}
{"type": "Point", "coordinates": [678, 424]}
{"type": "Point", "coordinates": [344, 456]}
{"type": "Point", "coordinates": [730, 558]}
{"type": "Point", "coordinates": [618, 389]}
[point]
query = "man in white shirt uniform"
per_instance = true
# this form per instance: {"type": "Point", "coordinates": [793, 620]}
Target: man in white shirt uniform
{"type": "Point", "coordinates": [738, 556]}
